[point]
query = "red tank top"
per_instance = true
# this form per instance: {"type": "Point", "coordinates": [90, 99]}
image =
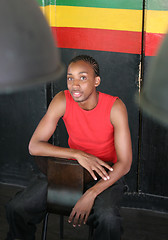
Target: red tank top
{"type": "Point", "coordinates": [91, 131]}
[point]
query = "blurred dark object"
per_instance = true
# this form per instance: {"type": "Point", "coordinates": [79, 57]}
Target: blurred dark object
{"type": "Point", "coordinates": [154, 95]}
{"type": "Point", "coordinates": [28, 54]}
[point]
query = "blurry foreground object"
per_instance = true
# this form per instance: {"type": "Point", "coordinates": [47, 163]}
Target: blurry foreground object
{"type": "Point", "coordinates": [154, 95]}
{"type": "Point", "coordinates": [28, 54]}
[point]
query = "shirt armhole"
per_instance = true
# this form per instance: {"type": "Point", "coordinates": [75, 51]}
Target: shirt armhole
{"type": "Point", "coordinates": [111, 105]}
{"type": "Point", "coordinates": [67, 103]}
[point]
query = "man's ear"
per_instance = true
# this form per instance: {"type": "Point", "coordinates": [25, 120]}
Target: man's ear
{"type": "Point", "coordinates": [97, 81]}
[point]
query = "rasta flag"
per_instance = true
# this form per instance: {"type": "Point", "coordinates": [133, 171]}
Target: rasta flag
{"type": "Point", "coordinates": [114, 26]}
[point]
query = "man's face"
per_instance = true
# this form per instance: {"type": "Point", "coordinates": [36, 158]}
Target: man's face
{"type": "Point", "coordinates": [81, 81]}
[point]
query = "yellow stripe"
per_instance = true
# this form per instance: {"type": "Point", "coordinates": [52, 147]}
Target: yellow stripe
{"type": "Point", "coordinates": [156, 21]}
{"type": "Point", "coordinates": [49, 12]}
{"type": "Point", "coordinates": [101, 18]}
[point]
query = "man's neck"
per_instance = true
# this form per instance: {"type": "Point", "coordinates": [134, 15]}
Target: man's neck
{"type": "Point", "coordinates": [91, 103]}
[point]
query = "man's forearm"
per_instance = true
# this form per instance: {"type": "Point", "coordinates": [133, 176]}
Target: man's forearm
{"type": "Point", "coordinates": [47, 149]}
{"type": "Point", "coordinates": [119, 170]}
{"type": "Point", "coordinates": [88, 161]}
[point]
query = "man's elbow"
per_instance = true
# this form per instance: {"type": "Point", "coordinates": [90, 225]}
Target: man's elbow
{"type": "Point", "coordinates": [128, 165]}
{"type": "Point", "coordinates": [32, 149]}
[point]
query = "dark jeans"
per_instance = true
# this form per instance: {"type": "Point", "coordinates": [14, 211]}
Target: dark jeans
{"type": "Point", "coordinates": [28, 208]}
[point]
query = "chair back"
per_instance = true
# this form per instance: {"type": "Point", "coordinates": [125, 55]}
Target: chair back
{"type": "Point", "coordinates": [66, 182]}
{"type": "Point", "coordinates": [65, 185]}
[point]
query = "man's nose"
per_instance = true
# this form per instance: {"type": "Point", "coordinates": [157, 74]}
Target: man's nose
{"type": "Point", "coordinates": [76, 82]}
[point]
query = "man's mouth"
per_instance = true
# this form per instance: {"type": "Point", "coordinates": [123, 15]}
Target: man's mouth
{"type": "Point", "coordinates": [76, 94]}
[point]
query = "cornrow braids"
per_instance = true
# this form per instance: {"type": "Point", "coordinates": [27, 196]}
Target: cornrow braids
{"type": "Point", "coordinates": [88, 59]}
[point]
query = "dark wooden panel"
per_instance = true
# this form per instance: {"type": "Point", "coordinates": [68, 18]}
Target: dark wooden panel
{"type": "Point", "coordinates": [19, 115]}
{"type": "Point", "coordinates": [119, 73]}
{"type": "Point", "coordinates": [154, 158]}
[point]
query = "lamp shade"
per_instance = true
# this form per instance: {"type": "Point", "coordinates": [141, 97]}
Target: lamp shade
{"type": "Point", "coordinates": [154, 95]}
{"type": "Point", "coordinates": [28, 53]}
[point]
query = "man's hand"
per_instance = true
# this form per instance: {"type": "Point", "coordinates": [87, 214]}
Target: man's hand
{"type": "Point", "coordinates": [92, 163]}
{"type": "Point", "coordinates": [82, 209]}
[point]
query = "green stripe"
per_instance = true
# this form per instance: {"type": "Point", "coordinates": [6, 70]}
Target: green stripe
{"type": "Point", "coordinates": [161, 5]}
{"type": "Point", "coordinates": [120, 4]}
{"type": "Point", "coordinates": [44, 3]}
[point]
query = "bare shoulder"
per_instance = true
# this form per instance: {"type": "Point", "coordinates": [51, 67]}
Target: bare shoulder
{"type": "Point", "coordinates": [118, 106]}
{"type": "Point", "coordinates": [57, 105]}
{"type": "Point", "coordinates": [118, 112]}
{"type": "Point", "coordinates": [59, 98]}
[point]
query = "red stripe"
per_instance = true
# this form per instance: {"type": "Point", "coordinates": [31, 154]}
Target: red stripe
{"type": "Point", "coordinates": [98, 39]}
{"type": "Point", "coordinates": [152, 43]}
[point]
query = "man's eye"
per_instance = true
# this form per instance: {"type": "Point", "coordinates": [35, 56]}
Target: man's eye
{"type": "Point", "coordinates": [69, 79]}
{"type": "Point", "coordinates": [83, 78]}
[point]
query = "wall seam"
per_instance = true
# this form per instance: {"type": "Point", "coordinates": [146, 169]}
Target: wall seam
{"type": "Point", "coordinates": [140, 83]}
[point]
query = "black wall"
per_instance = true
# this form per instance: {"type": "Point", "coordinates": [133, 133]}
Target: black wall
{"type": "Point", "coordinates": [19, 115]}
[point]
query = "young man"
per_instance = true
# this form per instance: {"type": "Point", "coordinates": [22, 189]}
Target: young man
{"type": "Point", "coordinates": [99, 134]}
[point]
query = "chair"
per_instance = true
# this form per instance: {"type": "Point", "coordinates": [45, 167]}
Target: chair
{"type": "Point", "coordinates": [66, 180]}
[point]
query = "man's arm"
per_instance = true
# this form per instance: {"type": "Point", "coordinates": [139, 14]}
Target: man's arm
{"type": "Point", "coordinates": [123, 148]}
{"type": "Point", "coordinates": [39, 145]}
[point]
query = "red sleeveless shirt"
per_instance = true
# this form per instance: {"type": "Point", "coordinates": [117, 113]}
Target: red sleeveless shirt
{"type": "Point", "coordinates": [91, 131]}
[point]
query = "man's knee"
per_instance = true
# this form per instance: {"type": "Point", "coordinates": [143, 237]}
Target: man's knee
{"type": "Point", "coordinates": [109, 218]}
{"type": "Point", "coordinates": [13, 207]}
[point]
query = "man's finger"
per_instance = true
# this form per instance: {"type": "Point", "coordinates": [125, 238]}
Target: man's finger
{"type": "Point", "coordinates": [106, 166]}
{"type": "Point", "coordinates": [93, 175]}
{"type": "Point", "coordinates": [76, 218]}
{"type": "Point", "coordinates": [81, 219]}
{"type": "Point", "coordinates": [105, 174]}
{"type": "Point", "coordinates": [71, 216]}
{"type": "Point", "coordinates": [86, 218]}
{"type": "Point", "coordinates": [99, 172]}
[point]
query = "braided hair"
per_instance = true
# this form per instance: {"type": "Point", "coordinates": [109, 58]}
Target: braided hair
{"type": "Point", "coordinates": [88, 59]}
